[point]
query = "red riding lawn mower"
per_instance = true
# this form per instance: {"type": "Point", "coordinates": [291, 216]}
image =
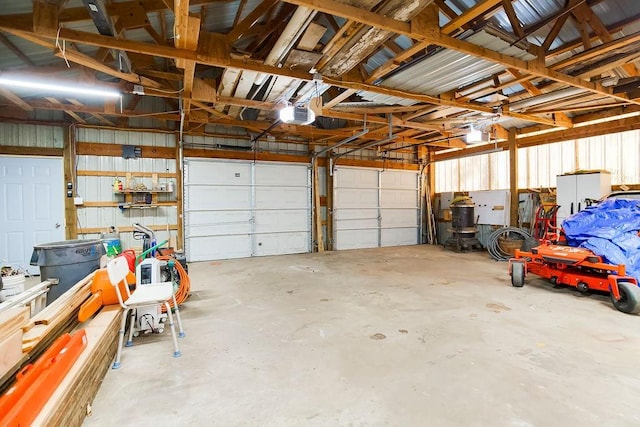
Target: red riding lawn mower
{"type": "Point", "coordinates": [577, 267]}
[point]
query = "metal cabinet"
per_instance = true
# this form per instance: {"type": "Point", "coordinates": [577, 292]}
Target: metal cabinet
{"type": "Point", "coordinates": [574, 191]}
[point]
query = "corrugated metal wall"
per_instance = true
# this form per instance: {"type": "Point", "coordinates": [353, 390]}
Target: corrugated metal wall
{"type": "Point", "coordinates": [97, 189]}
{"type": "Point", "coordinates": [27, 135]}
{"type": "Point", "coordinates": [538, 166]}
{"type": "Point", "coordinates": [618, 153]}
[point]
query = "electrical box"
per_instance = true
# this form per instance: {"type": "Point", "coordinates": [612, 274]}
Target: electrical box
{"type": "Point", "coordinates": [574, 192]}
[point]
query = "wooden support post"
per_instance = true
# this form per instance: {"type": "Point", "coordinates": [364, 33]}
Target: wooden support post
{"type": "Point", "coordinates": [513, 177]}
{"type": "Point", "coordinates": [69, 160]}
{"type": "Point", "coordinates": [329, 182]}
{"type": "Point", "coordinates": [318, 212]}
{"type": "Point", "coordinates": [430, 194]}
{"type": "Point", "coordinates": [178, 189]}
{"type": "Point", "coordinates": [431, 170]}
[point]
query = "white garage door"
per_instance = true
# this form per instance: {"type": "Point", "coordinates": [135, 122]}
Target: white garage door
{"type": "Point", "coordinates": [374, 208]}
{"type": "Point", "coordinates": [237, 209]}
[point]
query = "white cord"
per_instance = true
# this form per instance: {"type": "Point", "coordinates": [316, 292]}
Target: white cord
{"type": "Point", "coordinates": [62, 48]}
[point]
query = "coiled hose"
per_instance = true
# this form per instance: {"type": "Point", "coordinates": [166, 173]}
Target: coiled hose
{"type": "Point", "coordinates": [493, 246]}
{"type": "Point", "coordinates": [184, 290]}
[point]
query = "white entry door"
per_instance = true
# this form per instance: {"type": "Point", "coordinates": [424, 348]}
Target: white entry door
{"type": "Point", "coordinates": [32, 212]}
{"type": "Point", "coordinates": [237, 209]}
{"type": "Point", "coordinates": [375, 208]}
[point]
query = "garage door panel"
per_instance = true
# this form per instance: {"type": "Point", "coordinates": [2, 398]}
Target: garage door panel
{"type": "Point", "coordinates": [398, 198]}
{"type": "Point", "coordinates": [282, 198]}
{"type": "Point", "coordinates": [356, 214]}
{"type": "Point", "coordinates": [215, 197]}
{"type": "Point", "coordinates": [375, 208]}
{"type": "Point", "coordinates": [361, 178]}
{"type": "Point", "coordinates": [356, 198]}
{"type": "Point", "coordinates": [282, 243]}
{"type": "Point", "coordinates": [237, 209]}
{"type": "Point", "coordinates": [358, 224]}
{"type": "Point", "coordinates": [219, 173]}
{"type": "Point", "coordinates": [219, 247]}
{"type": "Point", "coordinates": [272, 175]}
{"type": "Point", "coordinates": [271, 221]}
{"type": "Point", "coordinates": [398, 218]}
{"type": "Point", "coordinates": [399, 180]}
{"type": "Point", "coordinates": [398, 236]}
{"type": "Point", "coordinates": [219, 223]}
{"type": "Point", "coordinates": [356, 239]}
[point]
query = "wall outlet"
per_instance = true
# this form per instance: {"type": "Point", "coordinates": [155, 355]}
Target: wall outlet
{"type": "Point", "coordinates": [78, 201]}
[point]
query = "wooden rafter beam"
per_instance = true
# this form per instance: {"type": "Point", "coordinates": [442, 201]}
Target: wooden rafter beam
{"type": "Point", "coordinates": [577, 43]}
{"type": "Point", "coordinates": [338, 99]}
{"type": "Point", "coordinates": [479, 9]}
{"type": "Point", "coordinates": [98, 116]}
{"type": "Point", "coordinates": [555, 30]}
{"type": "Point", "coordinates": [88, 62]}
{"type": "Point", "coordinates": [72, 114]}
{"type": "Point", "coordinates": [74, 14]}
{"type": "Point", "coordinates": [215, 53]}
{"type": "Point", "coordinates": [74, 56]}
{"type": "Point", "coordinates": [213, 111]}
{"type": "Point", "coordinates": [513, 18]}
{"type": "Point", "coordinates": [585, 14]}
{"type": "Point", "coordinates": [15, 99]}
{"type": "Point", "coordinates": [495, 88]}
{"type": "Point", "coordinates": [597, 51]}
{"type": "Point", "coordinates": [239, 13]}
{"type": "Point", "coordinates": [416, 31]}
{"type": "Point", "coordinates": [378, 110]}
{"type": "Point", "coordinates": [45, 17]}
{"type": "Point", "coordinates": [578, 108]}
{"type": "Point", "coordinates": [427, 99]}
{"type": "Point", "coordinates": [601, 67]}
{"type": "Point", "coordinates": [13, 48]}
{"type": "Point", "coordinates": [535, 91]}
{"type": "Point", "coordinates": [241, 27]}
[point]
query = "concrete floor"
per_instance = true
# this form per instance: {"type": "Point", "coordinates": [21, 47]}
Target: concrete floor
{"type": "Point", "coordinates": [408, 336]}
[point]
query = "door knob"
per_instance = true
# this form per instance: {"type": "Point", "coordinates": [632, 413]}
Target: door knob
{"type": "Point", "coordinates": [57, 225]}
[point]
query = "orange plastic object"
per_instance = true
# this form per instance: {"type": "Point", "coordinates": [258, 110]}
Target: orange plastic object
{"type": "Point", "coordinates": [102, 293]}
{"type": "Point", "coordinates": [130, 255]}
{"type": "Point", "coordinates": [22, 403]}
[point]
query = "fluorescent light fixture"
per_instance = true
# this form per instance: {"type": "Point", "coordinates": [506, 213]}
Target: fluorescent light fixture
{"type": "Point", "coordinates": [76, 90]}
{"type": "Point", "coordinates": [299, 115]}
{"type": "Point", "coordinates": [474, 136]}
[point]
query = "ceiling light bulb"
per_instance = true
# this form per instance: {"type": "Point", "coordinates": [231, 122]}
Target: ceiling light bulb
{"type": "Point", "coordinates": [77, 90]}
{"type": "Point", "coordinates": [286, 114]}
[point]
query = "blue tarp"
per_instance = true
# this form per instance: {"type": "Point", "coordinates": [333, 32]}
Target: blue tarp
{"type": "Point", "coordinates": [609, 229]}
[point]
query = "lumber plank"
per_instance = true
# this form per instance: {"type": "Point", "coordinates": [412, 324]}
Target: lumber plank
{"type": "Point", "coordinates": [13, 319]}
{"type": "Point", "coordinates": [59, 316]}
{"type": "Point", "coordinates": [71, 401]}
{"type": "Point", "coordinates": [53, 311]}
{"type": "Point", "coordinates": [10, 352]}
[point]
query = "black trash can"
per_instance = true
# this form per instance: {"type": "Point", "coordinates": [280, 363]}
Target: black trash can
{"type": "Point", "coordinates": [66, 262]}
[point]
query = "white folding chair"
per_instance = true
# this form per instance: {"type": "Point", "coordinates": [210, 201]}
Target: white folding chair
{"type": "Point", "coordinates": [144, 295]}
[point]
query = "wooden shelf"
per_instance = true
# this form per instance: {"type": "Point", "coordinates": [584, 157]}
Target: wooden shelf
{"type": "Point", "coordinates": [137, 206]}
{"type": "Point", "coordinates": [132, 198]}
{"type": "Point", "coordinates": [126, 191]}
